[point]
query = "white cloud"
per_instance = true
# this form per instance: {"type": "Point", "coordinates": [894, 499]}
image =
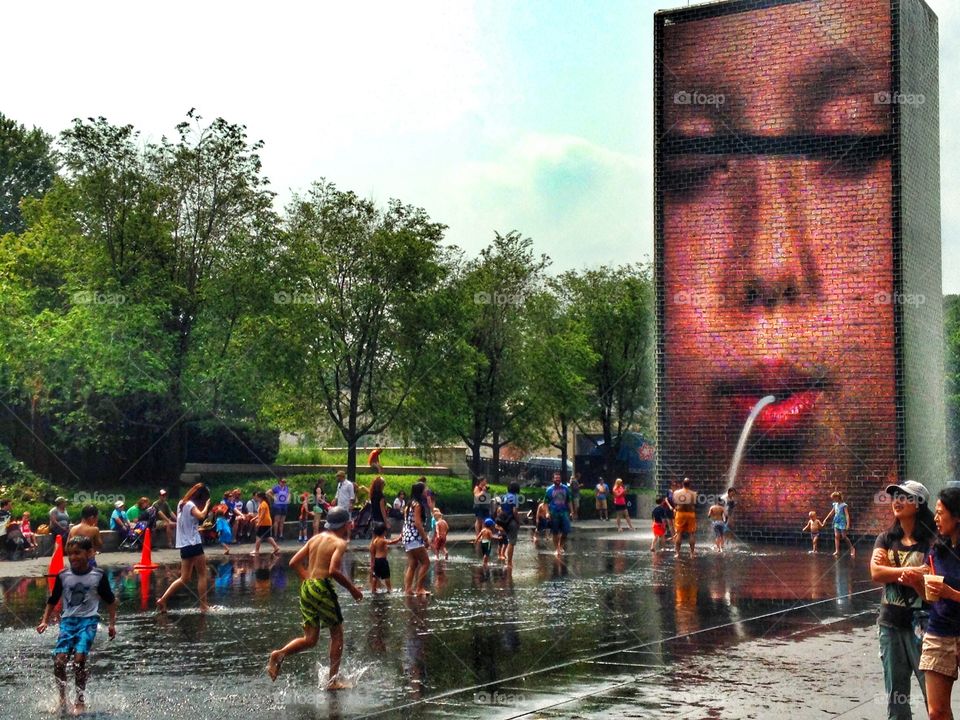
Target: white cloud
{"type": "Point", "coordinates": [582, 204]}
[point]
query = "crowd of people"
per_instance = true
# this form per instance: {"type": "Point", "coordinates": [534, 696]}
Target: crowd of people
{"type": "Point", "coordinates": [916, 561]}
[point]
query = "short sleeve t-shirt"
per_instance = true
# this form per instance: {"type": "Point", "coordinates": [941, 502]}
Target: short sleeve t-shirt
{"type": "Point", "coordinates": [557, 497]}
{"type": "Point", "coordinates": [345, 495]}
{"type": "Point", "coordinates": [188, 527]}
{"type": "Point", "coordinates": [116, 517]}
{"type": "Point", "coordinates": [899, 601]}
{"type": "Point", "coordinates": [281, 494]}
{"type": "Point", "coordinates": [133, 514]}
{"type": "Point", "coordinates": [81, 592]}
{"type": "Point", "coordinates": [945, 614]}
{"type": "Point", "coordinates": [601, 491]}
{"type": "Point", "coordinates": [660, 514]}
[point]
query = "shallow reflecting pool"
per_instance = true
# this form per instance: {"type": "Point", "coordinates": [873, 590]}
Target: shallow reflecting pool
{"type": "Point", "coordinates": [487, 643]}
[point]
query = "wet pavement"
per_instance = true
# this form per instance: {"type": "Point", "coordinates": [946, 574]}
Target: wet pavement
{"type": "Point", "coordinates": [611, 631]}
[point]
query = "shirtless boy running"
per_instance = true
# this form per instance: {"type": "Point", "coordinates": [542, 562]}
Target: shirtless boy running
{"type": "Point", "coordinates": [318, 600]}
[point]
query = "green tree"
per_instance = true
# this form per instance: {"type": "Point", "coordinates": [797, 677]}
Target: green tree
{"type": "Point", "coordinates": [140, 273]}
{"type": "Point", "coordinates": [951, 314]}
{"type": "Point", "coordinates": [480, 388]}
{"type": "Point", "coordinates": [561, 360]}
{"type": "Point", "coordinates": [27, 169]}
{"type": "Point", "coordinates": [357, 320]}
{"type": "Point", "coordinates": [615, 307]}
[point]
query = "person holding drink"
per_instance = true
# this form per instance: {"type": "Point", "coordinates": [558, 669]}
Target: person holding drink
{"type": "Point", "coordinates": [939, 581]}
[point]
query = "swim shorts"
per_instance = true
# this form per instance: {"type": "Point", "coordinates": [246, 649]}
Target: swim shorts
{"type": "Point", "coordinates": [659, 529]}
{"type": "Point", "coordinates": [76, 635]}
{"type": "Point", "coordinates": [264, 531]}
{"type": "Point", "coordinates": [485, 546]}
{"type": "Point", "coordinates": [685, 522]}
{"type": "Point", "coordinates": [381, 568]}
{"type": "Point", "coordinates": [559, 523]}
{"type": "Point", "coordinates": [543, 524]}
{"type": "Point", "coordinates": [318, 603]}
{"type": "Point", "coordinates": [719, 528]}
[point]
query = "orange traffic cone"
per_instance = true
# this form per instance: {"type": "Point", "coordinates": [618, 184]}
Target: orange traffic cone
{"type": "Point", "coordinates": [55, 567]}
{"type": "Point", "coordinates": [146, 561]}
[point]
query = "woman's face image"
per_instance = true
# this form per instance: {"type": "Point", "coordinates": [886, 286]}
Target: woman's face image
{"type": "Point", "coordinates": [775, 179]}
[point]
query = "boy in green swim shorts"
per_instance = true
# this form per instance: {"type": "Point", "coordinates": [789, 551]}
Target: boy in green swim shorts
{"type": "Point", "coordinates": [318, 564]}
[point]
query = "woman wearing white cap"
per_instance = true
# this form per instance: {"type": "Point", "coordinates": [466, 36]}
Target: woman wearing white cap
{"type": "Point", "coordinates": [902, 610]}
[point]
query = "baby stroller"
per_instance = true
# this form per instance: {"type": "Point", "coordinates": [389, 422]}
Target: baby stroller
{"type": "Point", "coordinates": [362, 522]}
{"type": "Point", "coordinates": [133, 540]}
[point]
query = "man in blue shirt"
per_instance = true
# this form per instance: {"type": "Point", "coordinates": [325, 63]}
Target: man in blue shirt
{"type": "Point", "coordinates": [558, 500]}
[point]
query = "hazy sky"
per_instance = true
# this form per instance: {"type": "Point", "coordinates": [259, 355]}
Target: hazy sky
{"type": "Point", "coordinates": [496, 115]}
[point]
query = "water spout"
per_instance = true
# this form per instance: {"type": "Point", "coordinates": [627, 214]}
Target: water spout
{"type": "Point", "coordinates": [744, 434]}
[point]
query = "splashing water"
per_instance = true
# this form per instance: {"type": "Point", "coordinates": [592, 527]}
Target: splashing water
{"type": "Point", "coordinates": [744, 434]}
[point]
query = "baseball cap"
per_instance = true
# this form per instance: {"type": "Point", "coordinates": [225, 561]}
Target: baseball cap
{"type": "Point", "coordinates": [488, 522]}
{"type": "Point", "coordinates": [118, 504]}
{"type": "Point", "coordinates": [163, 492]}
{"type": "Point", "coordinates": [337, 518]}
{"type": "Point", "coordinates": [910, 487]}
{"type": "Point", "coordinates": [60, 499]}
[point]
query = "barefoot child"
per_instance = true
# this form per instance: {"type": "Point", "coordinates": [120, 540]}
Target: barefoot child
{"type": "Point", "coordinates": [841, 523]}
{"type": "Point", "coordinates": [264, 524]}
{"type": "Point", "coordinates": [224, 531]}
{"type": "Point", "coordinates": [379, 565]}
{"type": "Point", "coordinates": [718, 520]}
{"type": "Point", "coordinates": [813, 526]}
{"type": "Point", "coordinates": [304, 518]}
{"type": "Point", "coordinates": [82, 588]}
{"type": "Point", "coordinates": [440, 535]}
{"type": "Point", "coordinates": [541, 521]}
{"type": "Point", "coordinates": [318, 600]}
{"type": "Point", "coordinates": [485, 539]}
{"type": "Point", "coordinates": [660, 517]}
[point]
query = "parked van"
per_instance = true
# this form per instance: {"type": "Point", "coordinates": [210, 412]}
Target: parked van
{"type": "Point", "coordinates": [540, 470]}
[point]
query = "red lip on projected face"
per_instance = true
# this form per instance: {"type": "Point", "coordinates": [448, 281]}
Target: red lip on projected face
{"type": "Point", "coordinates": [796, 392]}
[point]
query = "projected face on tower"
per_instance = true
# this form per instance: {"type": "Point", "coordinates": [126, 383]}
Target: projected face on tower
{"type": "Point", "coordinates": [774, 178]}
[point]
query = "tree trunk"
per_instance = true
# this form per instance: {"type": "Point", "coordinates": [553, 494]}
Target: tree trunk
{"type": "Point", "coordinates": [564, 454]}
{"type": "Point", "coordinates": [475, 461]}
{"type": "Point", "coordinates": [352, 445]}
{"type": "Point", "coordinates": [495, 446]}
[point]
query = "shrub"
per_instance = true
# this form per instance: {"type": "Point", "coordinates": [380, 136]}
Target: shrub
{"type": "Point", "coordinates": [211, 441]}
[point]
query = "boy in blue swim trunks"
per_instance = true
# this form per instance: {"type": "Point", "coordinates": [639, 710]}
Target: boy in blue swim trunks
{"type": "Point", "coordinates": [81, 588]}
{"type": "Point", "coordinates": [319, 606]}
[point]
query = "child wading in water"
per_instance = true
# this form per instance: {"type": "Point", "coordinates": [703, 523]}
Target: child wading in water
{"type": "Point", "coordinates": [813, 526]}
{"type": "Point", "coordinates": [224, 532]}
{"type": "Point", "coordinates": [541, 521]}
{"type": "Point", "coordinates": [441, 529]}
{"type": "Point", "coordinates": [379, 565]}
{"type": "Point", "coordinates": [264, 524]}
{"type": "Point", "coordinates": [718, 521]}
{"type": "Point", "coordinates": [318, 600]}
{"type": "Point", "coordinates": [485, 539]}
{"type": "Point", "coordinates": [841, 523]}
{"type": "Point", "coordinates": [82, 588]}
{"type": "Point", "coordinates": [304, 519]}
